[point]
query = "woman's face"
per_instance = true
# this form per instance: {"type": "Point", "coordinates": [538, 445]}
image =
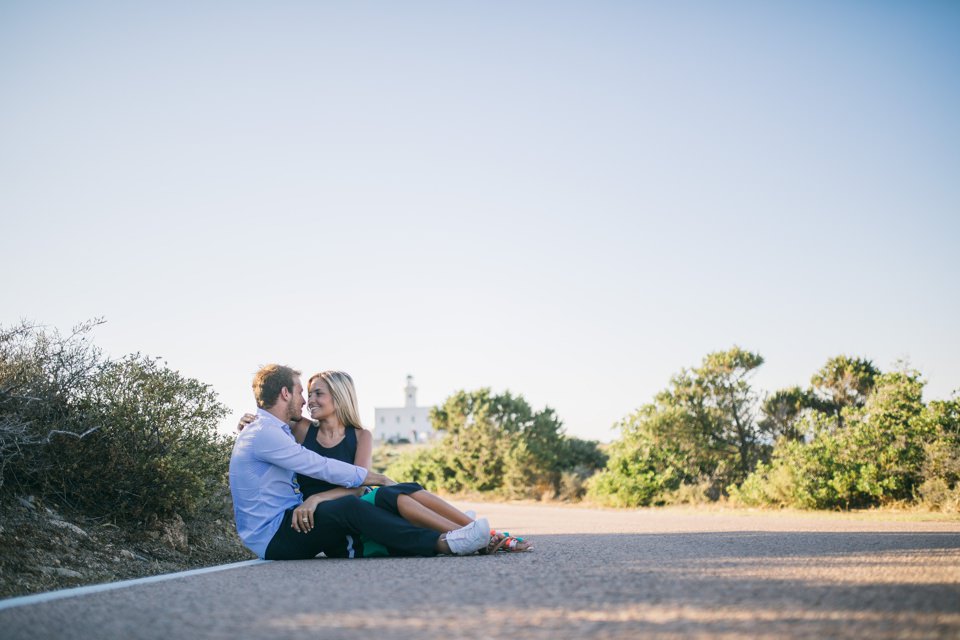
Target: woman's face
{"type": "Point", "coordinates": [319, 400]}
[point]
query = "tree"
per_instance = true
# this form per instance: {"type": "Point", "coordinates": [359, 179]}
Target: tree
{"type": "Point", "coordinates": [701, 430]}
{"type": "Point", "coordinates": [891, 449]}
{"type": "Point", "coordinates": [941, 467]}
{"type": "Point", "coordinates": [723, 382]}
{"type": "Point", "coordinates": [782, 411]}
{"type": "Point", "coordinates": [843, 382]}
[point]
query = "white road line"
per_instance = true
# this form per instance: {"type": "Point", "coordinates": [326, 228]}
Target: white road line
{"type": "Point", "coordinates": [96, 588]}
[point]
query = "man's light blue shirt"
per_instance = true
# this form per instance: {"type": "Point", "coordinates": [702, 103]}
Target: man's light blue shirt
{"type": "Point", "coordinates": [265, 458]}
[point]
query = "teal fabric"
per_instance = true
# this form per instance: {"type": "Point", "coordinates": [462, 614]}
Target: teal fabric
{"type": "Point", "coordinates": [372, 549]}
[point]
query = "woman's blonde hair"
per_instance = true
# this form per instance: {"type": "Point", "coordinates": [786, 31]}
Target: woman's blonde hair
{"type": "Point", "coordinates": [344, 396]}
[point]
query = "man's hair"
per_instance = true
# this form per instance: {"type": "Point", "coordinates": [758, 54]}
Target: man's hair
{"type": "Point", "coordinates": [268, 382]}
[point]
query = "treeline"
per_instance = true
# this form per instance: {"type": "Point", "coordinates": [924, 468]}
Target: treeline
{"type": "Point", "coordinates": [856, 437]}
{"type": "Point", "coordinates": [124, 439]}
{"type": "Point", "coordinates": [130, 439]}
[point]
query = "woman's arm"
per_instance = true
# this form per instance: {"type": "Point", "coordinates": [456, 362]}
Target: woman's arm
{"type": "Point", "coordinates": [299, 429]}
{"type": "Point", "coordinates": [364, 456]}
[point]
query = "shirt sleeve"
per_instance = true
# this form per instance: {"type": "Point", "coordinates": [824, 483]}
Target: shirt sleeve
{"type": "Point", "coordinates": [276, 447]}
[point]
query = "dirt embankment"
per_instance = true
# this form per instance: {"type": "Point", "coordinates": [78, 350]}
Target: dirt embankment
{"type": "Point", "coordinates": [45, 546]}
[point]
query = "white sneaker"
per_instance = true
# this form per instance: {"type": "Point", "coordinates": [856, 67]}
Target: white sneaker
{"type": "Point", "coordinates": [469, 539]}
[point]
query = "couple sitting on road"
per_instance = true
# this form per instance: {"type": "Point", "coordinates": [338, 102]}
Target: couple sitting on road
{"type": "Point", "coordinates": [335, 512]}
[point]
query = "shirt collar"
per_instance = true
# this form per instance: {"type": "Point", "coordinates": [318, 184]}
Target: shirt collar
{"type": "Point", "coordinates": [268, 418]}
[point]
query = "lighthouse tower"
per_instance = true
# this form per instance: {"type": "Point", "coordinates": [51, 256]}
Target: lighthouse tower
{"type": "Point", "coordinates": [411, 393]}
{"type": "Point", "coordinates": [408, 423]}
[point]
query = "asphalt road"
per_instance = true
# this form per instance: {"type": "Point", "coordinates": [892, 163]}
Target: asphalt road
{"type": "Point", "coordinates": [594, 573]}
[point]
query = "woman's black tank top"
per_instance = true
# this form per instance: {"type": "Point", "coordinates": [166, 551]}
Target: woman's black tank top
{"type": "Point", "coordinates": [345, 451]}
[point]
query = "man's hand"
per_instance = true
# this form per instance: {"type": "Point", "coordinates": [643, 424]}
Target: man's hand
{"type": "Point", "coordinates": [377, 479]}
{"type": "Point", "coordinates": [245, 420]}
{"type": "Point", "coordinates": [302, 521]}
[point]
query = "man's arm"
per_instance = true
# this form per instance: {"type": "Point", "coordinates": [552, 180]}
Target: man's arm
{"type": "Point", "coordinates": [374, 479]}
{"type": "Point", "coordinates": [272, 445]}
{"type": "Point", "coordinates": [302, 520]}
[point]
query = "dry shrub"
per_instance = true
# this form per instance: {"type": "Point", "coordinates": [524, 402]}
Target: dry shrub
{"type": "Point", "coordinates": [117, 438]}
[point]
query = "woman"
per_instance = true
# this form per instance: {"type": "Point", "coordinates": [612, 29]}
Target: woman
{"type": "Point", "coordinates": [338, 434]}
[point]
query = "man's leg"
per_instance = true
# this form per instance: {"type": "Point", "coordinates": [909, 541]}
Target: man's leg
{"type": "Point", "coordinates": [355, 516]}
{"type": "Point", "coordinates": [288, 544]}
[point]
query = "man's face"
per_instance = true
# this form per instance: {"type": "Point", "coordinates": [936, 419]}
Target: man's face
{"type": "Point", "coordinates": [295, 405]}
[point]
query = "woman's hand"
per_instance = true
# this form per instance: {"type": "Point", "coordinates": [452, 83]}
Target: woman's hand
{"type": "Point", "coordinates": [245, 420]}
{"type": "Point", "coordinates": [302, 521]}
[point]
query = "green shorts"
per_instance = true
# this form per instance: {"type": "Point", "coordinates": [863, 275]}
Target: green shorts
{"type": "Point", "coordinates": [372, 549]}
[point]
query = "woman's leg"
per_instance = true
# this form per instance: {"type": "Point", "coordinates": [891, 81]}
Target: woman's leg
{"type": "Point", "coordinates": [421, 506]}
{"type": "Point", "coordinates": [401, 537]}
{"type": "Point", "coordinates": [441, 507]}
{"type": "Point", "coordinates": [414, 504]}
{"type": "Point", "coordinates": [417, 514]}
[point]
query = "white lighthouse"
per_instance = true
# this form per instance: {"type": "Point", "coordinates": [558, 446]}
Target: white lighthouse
{"type": "Point", "coordinates": [407, 423]}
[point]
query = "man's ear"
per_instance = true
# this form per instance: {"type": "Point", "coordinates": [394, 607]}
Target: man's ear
{"type": "Point", "coordinates": [285, 394]}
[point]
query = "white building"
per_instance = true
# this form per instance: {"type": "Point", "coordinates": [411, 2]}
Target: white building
{"type": "Point", "coordinates": [408, 422]}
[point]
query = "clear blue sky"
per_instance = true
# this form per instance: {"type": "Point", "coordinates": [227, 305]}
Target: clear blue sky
{"type": "Point", "coordinates": [572, 201]}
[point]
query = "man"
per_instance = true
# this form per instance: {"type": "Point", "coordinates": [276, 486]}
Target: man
{"type": "Point", "coordinates": [265, 458]}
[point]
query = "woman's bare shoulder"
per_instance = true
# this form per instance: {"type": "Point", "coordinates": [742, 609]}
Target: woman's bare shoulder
{"type": "Point", "coordinates": [363, 434]}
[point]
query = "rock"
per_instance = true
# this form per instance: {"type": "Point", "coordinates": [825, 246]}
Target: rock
{"type": "Point", "coordinates": [60, 524]}
{"type": "Point", "coordinates": [130, 555]}
{"type": "Point", "coordinates": [173, 533]}
{"type": "Point", "coordinates": [60, 571]}
{"type": "Point", "coordinates": [153, 535]}
{"type": "Point", "coordinates": [27, 502]}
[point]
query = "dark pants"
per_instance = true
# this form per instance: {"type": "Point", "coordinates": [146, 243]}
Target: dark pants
{"type": "Point", "coordinates": [337, 526]}
{"type": "Point", "coordinates": [386, 497]}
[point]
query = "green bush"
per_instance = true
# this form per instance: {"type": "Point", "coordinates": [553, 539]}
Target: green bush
{"type": "Point", "coordinates": [499, 444]}
{"type": "Point", "coordinates": [893, 449]}
{"type": "Point", "coordinates": [639, 472]}
{"type": "Point", "coordinates": [797, 476]}
{"type": "Point", "coordinates": [423, 465]}
{"type": "Point", "coordinates": [940, 489]}
{"type": "Point", "coordinates": [125, 439]}
{"type": "Point", "coordinates": [698, 436]}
